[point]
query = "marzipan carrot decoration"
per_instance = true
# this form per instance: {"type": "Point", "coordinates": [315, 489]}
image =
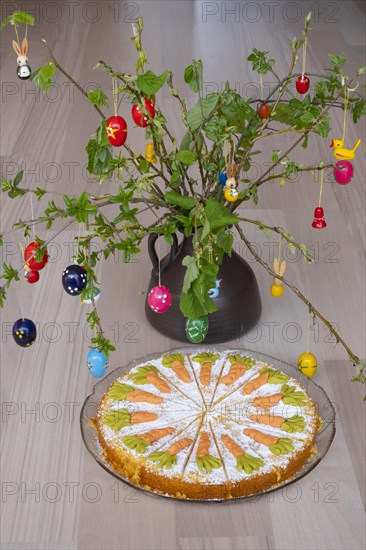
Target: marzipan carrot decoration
{"type": "Point", "coordinates": [167, 459]}
{"type": "Point", "coordinates": [124, 392]}
{"type": "Point", "coordinates": [277, 445]}
{"type": "Point", "coordinates": [290, 425]}
{"type": "Point", "coordinates": [288, 394]}
{"type": "Point", "coordinates": [149, 375]}
{"type": "Point", "coordinates": [267, 401]}
{"type": "Point", "coordinates": [244, 461]}
{"type": "Point", "coordinates": [253, 385]}
{"type": "Point", "coordinates": [239, 365]}
{"type": "Point", "coordinates": [141, 441]}
{"type": "Point", "coordinates": [206, 360]}
{"type": "Point", "coordinates": [204, 460]}
{"type": "Point", "coordinates": [119, 418]}
{"type": "Point", "coordinates": [176, 363]}
{"type": "Point", "coordinates": [267, 376]}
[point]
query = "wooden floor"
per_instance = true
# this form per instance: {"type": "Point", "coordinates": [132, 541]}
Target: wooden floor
{"type": "Point", "coordinates": [54, 496]}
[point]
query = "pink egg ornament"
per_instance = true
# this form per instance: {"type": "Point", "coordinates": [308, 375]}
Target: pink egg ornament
{"type": "Point", "coordinates": [159, 299]}
{"type": "Point", "coordinates": [343, 172]}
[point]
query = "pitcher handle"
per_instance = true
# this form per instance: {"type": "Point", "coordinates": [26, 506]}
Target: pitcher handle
{"type": "Point", "coordinates": [153, 237]}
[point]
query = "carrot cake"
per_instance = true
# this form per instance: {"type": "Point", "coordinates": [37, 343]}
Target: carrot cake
{"type": "Point", "coordinates": [206, 425]}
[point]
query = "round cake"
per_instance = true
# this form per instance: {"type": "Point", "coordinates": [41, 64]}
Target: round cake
{"type": "Point", "coordinates": [206, 425]}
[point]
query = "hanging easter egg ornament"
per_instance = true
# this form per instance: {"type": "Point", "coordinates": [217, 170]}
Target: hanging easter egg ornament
{"type": "Point", "coordinates": [231, 195]}
{"type": "Point", "coordinates": [87, 299]}
{"type": "Point", "coordinates": [74, 279]}
{"type": "Point", "coordinates": [263, 110]}
{"type": "Point", "coordinates": [302, 84]}
{"type": "Point", "coordinates": [24, 332]}
{"type": "Point", "coordinates": [307, 364]}
{"type": "Point", "coordinates": [159, 299]}
{"type": "Point", "coordinates": [32, 276]}
{"type": "Point", "coordinates": [32, 263]}
{"type": "Point", "coordinates": [150, 153]}
{"type": "Point", "coordinates": [116, 128]}
{"type": "Point", "coordinates": [139, 117]}
{"type": "Point", "coordinates": [23, 70]}
{"type": "Point", "coordinates": [343, 172]}
{"type": "Point", "coordinates": [97, 363]}
{"type": "Point", "coordinates": [196, 329]}
{"type": "Point", "coordinates": [223, 177]}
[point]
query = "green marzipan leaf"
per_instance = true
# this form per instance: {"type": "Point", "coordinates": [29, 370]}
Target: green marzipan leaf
{"type": "Point", "coordinates": [275, 376]}
{"type": "Point", "coordinates": [203, 358]}
{"type": "Point", "coordinates": [248, 463]}
{"type": "Point", "coordinates": [282, 447]}
{"type": "Point", "coordinates": [208, 463]}
{"type": "Point", "coordinates": [140, 376]}
{"type": "Point", "coordinates": [169, 359]}
{"type": "Point", "coordinates": [242, 359]}
{"type": "Point", "coordinates": [294, 424]}
{"type": "Point", "coordinates": [120, 391]}
{"type": "Point", "coordinates": [136, 443]}
{"type": "Point", "coordinates": [291, 396]}
{"type": "Point", "coordinates": [117, 419]}
{"type": "Point", "coordinates": [164, 460]}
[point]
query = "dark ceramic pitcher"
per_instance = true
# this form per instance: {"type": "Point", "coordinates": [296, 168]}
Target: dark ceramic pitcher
{"type": "Point", "coordinates": [238, 300]}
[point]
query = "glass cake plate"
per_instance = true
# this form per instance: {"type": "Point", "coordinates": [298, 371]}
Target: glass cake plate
{"type": "Point", "coordinates": [324, 406]}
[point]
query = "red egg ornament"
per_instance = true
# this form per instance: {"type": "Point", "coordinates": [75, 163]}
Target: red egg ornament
{"type": "Point", "coordinates": [343, 172]}
{"type": "Point", "coordinates": [159, 299]}
{"type": "Point", "coordinates": [116, 127]}
{"type": "Point", "coordinates": [139, 117]}
{"type": "Point", "coordinates": [302, 84]}
{"type": "Point", "coordinates": [32, 276]}
{"type": "Point", "coordinates": [263, 112]}
{"type": "Point", "coordinates": [32, 263]}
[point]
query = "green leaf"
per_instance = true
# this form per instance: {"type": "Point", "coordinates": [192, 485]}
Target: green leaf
{"type": "Point", "coordinates": [23, 17]}
{"type": "Point", "coordinates": [176, 199]}
{"type": "Point", "coordinates": [149, 84]}
{"type": "Point", "coordinates": [42, 76]}
{"type": "Point", "coordinates": [18, 178]}
{"type": "Point", "coordinates": [193, 75]}
{"type": "Point", "coordinates": [218, 215]}
{"type": "Point", "coordinates": [225, 241]}
{"type": "Point", "coordinates": [186, 157]}
{"type": "Point", "coordinates": [39, 192]}
{"type": "Point", "coordinates": [362, 70]}
{"type": "Point", "coordinates": [191, 273]}
{"type": "Point", "coordinates": [98, 97]}
{"type": "Point", "coordinates": [201, 111]}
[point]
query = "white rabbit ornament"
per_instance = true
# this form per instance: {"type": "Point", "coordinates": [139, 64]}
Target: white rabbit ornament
{"type": "Point", "coordinates": [23, 70]}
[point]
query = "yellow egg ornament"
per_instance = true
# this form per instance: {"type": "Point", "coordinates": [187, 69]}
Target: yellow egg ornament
{"type": "Point", "coordinates": [150, 153]}
{"type": "Point", "coordinates": [231, 195]}
{"type": "Point", "coordinates": [307, 364]}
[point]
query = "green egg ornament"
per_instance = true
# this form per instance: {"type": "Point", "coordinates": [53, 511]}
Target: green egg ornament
{"type": "Point", "coordinates": [196, 329]}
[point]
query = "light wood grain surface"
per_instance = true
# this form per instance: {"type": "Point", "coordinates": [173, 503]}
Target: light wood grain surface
{"type": "Point", "coordinates": [54, 496]}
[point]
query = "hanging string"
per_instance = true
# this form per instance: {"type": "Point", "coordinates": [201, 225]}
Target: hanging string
{"type": "Point", "coordinates": [304, 55]}
{"type": "Point", "coordinates": [279, 249]}
{"type": "Point", "coordinates": [308, 332]}
{"type": "Point", "coordinates": [261, 86]}
{"type": "Point", "coordinates": [26, 30]}
{"type": "Point", "coordinates": [17, 35]}
{"type": "Point", "coordinates": [115, 95]}
{"type": "Point", "coordinates": [346, 96]}
{"type": "Point", "coordinates": [32, 212]}
{"type": "Point", "coordinates": [321, 187]}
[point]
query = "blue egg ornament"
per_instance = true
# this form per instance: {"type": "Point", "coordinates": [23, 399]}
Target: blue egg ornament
{"type": "Point", "coordinates": [24, 332]}
{"type": "Point", "coordinates": [196, 329]}
{"type": "Point", "coordinates": [223, 177]}
{"type": "Point", "coordinates": [74, 279]}
{"type": "Point", "coordinates": [97, 363]}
